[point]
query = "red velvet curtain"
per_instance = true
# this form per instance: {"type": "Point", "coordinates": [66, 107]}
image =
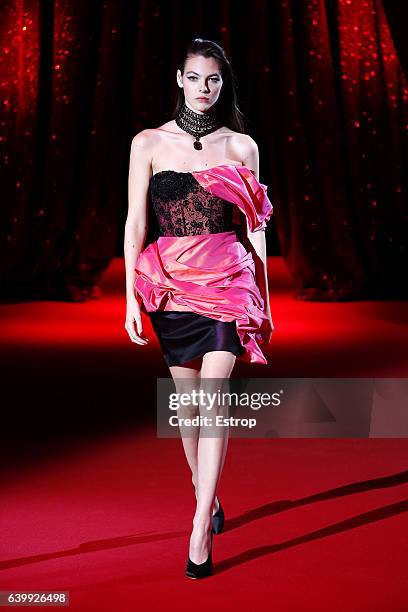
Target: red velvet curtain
{"type": "Point", "coordinates": [321, 85]}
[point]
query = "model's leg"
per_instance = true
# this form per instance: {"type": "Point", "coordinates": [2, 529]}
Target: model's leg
{"type": "Point", "coordinates": [186, 379]}
{"type": "Point", "coordinates": [211, 452]}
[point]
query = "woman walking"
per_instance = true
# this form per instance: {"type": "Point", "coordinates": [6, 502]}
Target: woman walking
{"type": "Point", "coordinates": [204, 291]}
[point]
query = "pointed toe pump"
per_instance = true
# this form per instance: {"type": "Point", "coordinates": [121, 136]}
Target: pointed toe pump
{"type": "Point", "coordinates": [200, 570]}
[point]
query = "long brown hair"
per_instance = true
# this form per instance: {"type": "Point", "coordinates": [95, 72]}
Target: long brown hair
{"type": "Point", "coordinates": [227, 104]}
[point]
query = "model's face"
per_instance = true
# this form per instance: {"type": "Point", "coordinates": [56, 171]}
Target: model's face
{"type": "Point", "coordinates": [201, 78]}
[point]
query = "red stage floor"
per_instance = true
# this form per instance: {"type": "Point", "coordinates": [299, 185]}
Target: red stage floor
{"type": "Point", "coordinates": [310, 525]}
{"type": "Point", "coordinates": [105, 512]}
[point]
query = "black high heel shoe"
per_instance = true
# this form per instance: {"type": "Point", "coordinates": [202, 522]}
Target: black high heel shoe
{"type": "Point", "coordinates": [218, 518]}
{"type": "Point", "coordinates": [200, 570]}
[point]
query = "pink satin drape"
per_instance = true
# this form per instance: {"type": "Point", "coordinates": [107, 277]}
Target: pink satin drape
{"type": "Point", "coordinates": [211, 274]}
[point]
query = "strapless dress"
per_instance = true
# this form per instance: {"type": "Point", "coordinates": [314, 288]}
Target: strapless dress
{"type": "Point", "coordinates": [197, 281]}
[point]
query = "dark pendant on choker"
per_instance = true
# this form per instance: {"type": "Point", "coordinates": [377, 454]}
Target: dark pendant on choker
{"type": "Point", "coordinates": [197, 124]}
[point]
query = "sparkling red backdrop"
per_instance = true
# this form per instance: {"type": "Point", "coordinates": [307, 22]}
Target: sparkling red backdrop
{"type": "Point", "coordinates": [322, 87]}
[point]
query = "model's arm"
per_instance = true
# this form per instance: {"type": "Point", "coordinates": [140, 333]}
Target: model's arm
{"type": "Point", "coordinates": [136, 227]}
{"type": "Point", "coordinates": [255, 241]}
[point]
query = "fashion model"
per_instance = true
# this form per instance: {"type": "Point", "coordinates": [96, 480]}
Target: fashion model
{"type": "Point", "coordinates": [203, 282]}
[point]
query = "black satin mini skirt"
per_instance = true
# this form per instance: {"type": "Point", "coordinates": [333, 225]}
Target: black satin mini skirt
{"type": "Point", "coordinates": [187, 335]}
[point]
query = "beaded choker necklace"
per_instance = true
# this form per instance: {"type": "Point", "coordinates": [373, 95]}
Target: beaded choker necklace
{"type": "Point", "coordinates": [196, 124]}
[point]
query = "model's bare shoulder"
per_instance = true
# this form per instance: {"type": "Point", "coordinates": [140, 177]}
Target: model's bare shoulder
{"type": "Point", "coordinates": [161, 131]}
{"type": "Point", "coordinates": [152, 138]}
{"type": "Point", "coordinates": [144, 146]}
{"type": "Point", "coordinates": [145, 139]}
{"type": "Point", "coordinates": [244, 148]}
{"type": "Point", "coordinates": [244, 145]}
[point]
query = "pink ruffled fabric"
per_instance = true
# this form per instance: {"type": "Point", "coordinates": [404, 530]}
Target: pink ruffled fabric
{"type": "Point", "coordinates": [211, 274]}
{"type": "Point", "coordinates": [239, 185]}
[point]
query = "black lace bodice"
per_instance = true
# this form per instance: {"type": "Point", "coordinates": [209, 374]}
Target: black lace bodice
{"type": "Point", "coordinates": [184, 208]}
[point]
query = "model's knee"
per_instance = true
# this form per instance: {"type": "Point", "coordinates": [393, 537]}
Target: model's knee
{"type": "Point", "coordinates": [217, 364]}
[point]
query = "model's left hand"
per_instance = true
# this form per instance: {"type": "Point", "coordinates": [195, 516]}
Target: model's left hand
{"type": "Point", "coordinates": [266, 330]}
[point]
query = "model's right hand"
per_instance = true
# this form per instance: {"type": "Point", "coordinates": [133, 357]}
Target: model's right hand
{"type": "Point", "coordinates": [133, 324]}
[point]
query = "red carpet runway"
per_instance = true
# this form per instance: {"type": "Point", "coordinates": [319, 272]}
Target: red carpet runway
{"type": "Point", "coordinates": [93, 503]}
